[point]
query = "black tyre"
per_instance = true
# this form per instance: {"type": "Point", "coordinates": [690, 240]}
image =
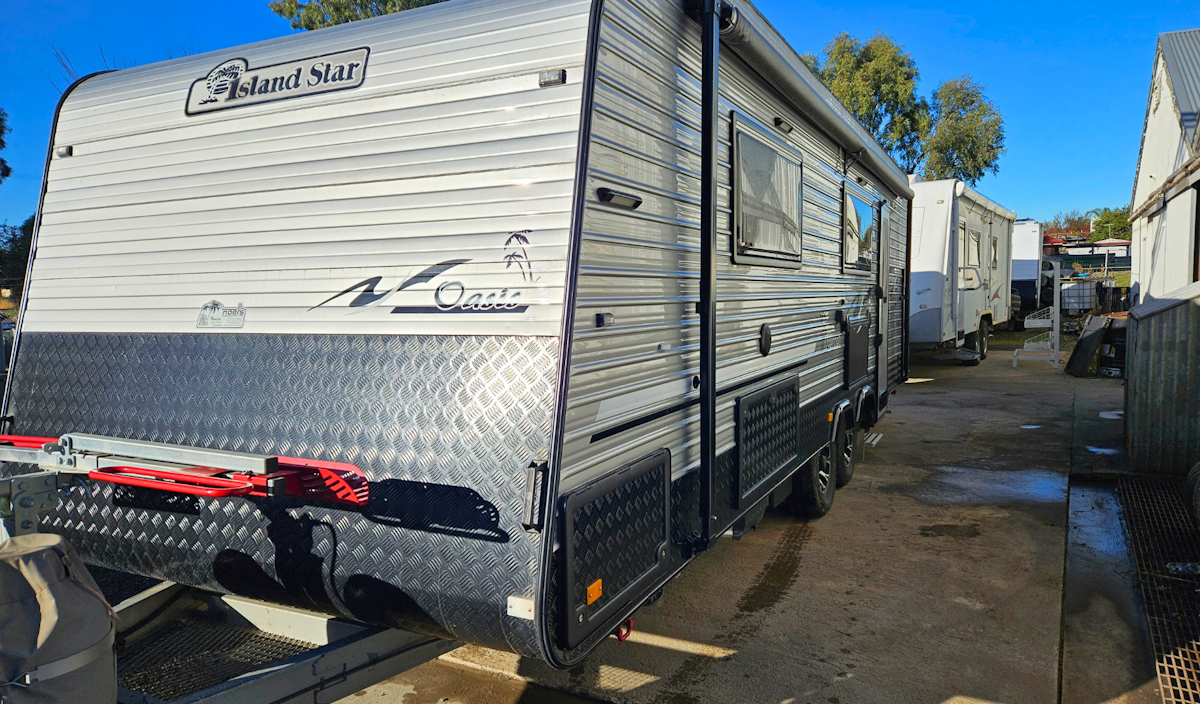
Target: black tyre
{"type": "Point", "coordinates": [850, 441]}
{"type": "Point", "coordinates": [977, 342]}
{"type": "Point", "coordinates": [813, 485]}
{"type": "Point", "coordinates": [971, 342]}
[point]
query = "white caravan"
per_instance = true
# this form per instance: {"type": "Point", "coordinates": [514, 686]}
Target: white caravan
{"type": "Point", "coordinates": [962, 237]}
{"type": "Point", "coordinates": [1027, 260]}
{"type": "Point", "coordinates": [561, 306]}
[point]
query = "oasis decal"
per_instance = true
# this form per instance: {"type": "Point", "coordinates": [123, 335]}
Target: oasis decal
{"type": "Point", "coordinates": [234, 83]}
{"type": "Point", "coordinates": [451, 294]}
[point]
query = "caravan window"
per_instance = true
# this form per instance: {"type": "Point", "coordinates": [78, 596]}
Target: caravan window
{"type": "Point", "coordinates": [859, 232]}
{"type": "Point", "coordinates": [995, 253]}
{"type": "Point", "coordinates": [768, 200]}
{"type": "Point", "coordinates": [973, 246]}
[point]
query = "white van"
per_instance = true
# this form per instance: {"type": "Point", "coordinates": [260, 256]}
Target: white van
{"type": "Point", "coordinates": [961, 269]}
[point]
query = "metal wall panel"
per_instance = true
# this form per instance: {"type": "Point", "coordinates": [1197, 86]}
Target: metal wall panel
{"type": "Point", "coordinates": [1162, 390]}
{"type": "Point", "coordinates": [897, 281]}
{"type": "Point", "coordinates": [643, 266]}
{"type": "Point", "coordinates": [450, 146]}
{"type": "Point", "coordinates": [442, 426]}
{"type": "Point", "coordinates": [451, 156]}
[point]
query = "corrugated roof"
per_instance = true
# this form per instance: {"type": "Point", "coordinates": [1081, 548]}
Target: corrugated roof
{"type": "Point", "coordinates": [1181, 51]}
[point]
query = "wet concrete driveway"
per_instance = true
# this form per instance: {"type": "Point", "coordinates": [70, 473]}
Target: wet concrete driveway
{"type": "Point", "coordinates": [938, 576]}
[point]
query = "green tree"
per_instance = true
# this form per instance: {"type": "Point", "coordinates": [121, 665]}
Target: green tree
{"type": "Point", "coordinates": [1110, 222]}
{"type": "Point", "coordinates": [15, 241]}
{"type": "Point", "coordinates": [957, 134]}
{"type": "Point", "coordinates": [316, 14]}
{"type": "Point", "coordinates": [5, 169]}
{"type": "Point", "coordinates": [1069, 222]}
{"type": "Point", "coordinates": [877, 81]}
{"type": "Point", "coordinates": [968, 133]}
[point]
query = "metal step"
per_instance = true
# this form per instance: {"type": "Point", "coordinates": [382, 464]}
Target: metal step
{"type": "Point", "coordinates": [178, 644]}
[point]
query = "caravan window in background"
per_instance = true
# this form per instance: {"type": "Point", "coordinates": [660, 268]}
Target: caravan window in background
{"type": "Point", "coordinates": [767, 187]}
{"type": "Point", "coordinates": [973, 253]}
{"type": "Point", "coordinates": [859, 232]}
{"type": "Point", "coordinates": [995, 253]}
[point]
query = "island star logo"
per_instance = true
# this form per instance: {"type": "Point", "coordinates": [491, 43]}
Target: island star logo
{"type": "Point", "coordinates": [235, 83]}
{"type": "Point", "coordinates": [221, 77]}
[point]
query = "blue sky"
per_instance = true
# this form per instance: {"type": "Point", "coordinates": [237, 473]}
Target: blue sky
{"type": "Point", "coordinates": [1070, 77]}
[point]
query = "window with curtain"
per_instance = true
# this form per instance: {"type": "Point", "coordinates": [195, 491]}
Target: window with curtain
{"type": "Point", "coordinates": [768, 200]}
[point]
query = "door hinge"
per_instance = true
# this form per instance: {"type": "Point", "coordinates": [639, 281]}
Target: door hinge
{"type": "Point", "coordinates": [535, 496]}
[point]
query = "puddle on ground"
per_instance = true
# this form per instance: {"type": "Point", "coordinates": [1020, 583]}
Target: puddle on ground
{"type": "Point", "coordinates": [1099, 568]}
{"type": "Point", "coordinates": [966, 485]}
{"type": "Point", "coordinates": [780, 572]}
{"type": "Point", "coordinates": [770, 586]}
{"type": "Point", "coordinates": [1105, 451]}
{"type": "Point", "coordinates": [1112, 415]}
{"type": "Point", "coordinates": [917, 381]}
{"type": "Point", "coordinates": [1030, 427]}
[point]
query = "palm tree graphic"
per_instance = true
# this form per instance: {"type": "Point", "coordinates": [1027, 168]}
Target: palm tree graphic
{"type": "Point", "coordinates": [519, 256]}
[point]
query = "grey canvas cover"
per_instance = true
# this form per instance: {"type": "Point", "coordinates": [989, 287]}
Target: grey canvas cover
{"type": "Point", "coordinates": [56, 629]}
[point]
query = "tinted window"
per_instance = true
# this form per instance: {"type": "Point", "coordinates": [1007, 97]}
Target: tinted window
{"type": "Point", "coordinates": [860, 237]}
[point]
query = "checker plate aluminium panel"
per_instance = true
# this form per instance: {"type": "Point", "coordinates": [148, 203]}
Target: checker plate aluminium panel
{"type": "Point", "coordinates": [768, 438]}
{"type": "Point", "coordinates": [618, 529]}
{"type": "Point", "coordinates": [442, 426]}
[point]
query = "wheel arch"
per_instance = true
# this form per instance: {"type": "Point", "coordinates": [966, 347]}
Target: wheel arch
{"type": "Point", "coordinates": [839, 411]}
{"type": "Point", "coordinates": [865, 413]}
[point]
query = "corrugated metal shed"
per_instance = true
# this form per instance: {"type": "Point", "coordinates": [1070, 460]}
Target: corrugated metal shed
{"type": "Point", "coordinates": [1181, 51]}
{"type": "Point", "coordinates": [1162, 389]}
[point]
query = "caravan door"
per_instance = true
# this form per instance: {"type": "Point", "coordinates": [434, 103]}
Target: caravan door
{"type": "Point", "coordinates": [970, 282]}
{"type": "Point", "coordinates": [883, 256]}
{"type": "Point", "coordinates": [960, 290]}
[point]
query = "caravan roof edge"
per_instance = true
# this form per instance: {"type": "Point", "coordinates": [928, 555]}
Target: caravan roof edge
{"type": "Point", "coordinates": [970, 194]}
{"type": "Point", "coordinates": [753, 38]}
{"type": "Point", "coordinates": [988, 203]}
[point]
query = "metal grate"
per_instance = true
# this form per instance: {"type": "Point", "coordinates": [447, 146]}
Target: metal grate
{"type": "Point", "coordinates": [198, 652]}
{"type": "Point", "coordinates": [1040, 319]}
{"type": "Point", "coordinates": [1166, 547]}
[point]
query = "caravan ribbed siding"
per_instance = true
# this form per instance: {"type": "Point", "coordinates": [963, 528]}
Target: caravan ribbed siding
{"type": "Point", "coordinates": [897, 278]}
{"type": "Point", "coordinates": [185, 289]}
{"type": "Point", "coordinates": [643, 266]}
{"type": "Point", "coordinates": [449, 146]}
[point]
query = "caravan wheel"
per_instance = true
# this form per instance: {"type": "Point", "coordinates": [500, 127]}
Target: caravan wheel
{"type": "Point", "coordinates": [978, 342]}
{"type": "Point", "coordinates": [814, 483]}
{"type": "Point", "coordinates": [850, 440]}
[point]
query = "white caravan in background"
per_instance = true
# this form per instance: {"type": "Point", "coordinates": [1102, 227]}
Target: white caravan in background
{"type": "Point", "coordinates": [1027, 260]}
{"type": "Point", "coordinates": [554, 306]}
{"type": "Point", "coordinates": [961, 268]}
